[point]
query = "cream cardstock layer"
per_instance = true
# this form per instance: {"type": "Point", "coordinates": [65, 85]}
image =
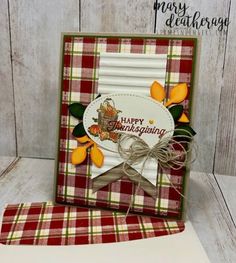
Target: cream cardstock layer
{"type": "Point", "coordinates": [150, 122]}
{"type": "Point", "coordinates": [128, 113]}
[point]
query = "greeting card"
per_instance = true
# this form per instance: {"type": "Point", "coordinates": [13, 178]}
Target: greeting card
{"type": "Point", "coordinates": [125, 122]}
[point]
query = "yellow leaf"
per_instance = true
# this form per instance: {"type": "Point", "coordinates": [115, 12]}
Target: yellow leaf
{"type": "Point", "coordinates": [157, 91]}
{"type": "Point", "coordinates": [83, 139]}
{"type": "Point", "coordinates": [177, 94]}
{"type": "Point", "coordinates": [97, 156]}
{"type": "Point", "coordinates": [183, 118]}
{"type": "Point", "coordinates": [79, 155]}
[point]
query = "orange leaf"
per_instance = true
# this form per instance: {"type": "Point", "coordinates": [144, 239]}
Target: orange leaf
{"type": "Point", "coordinates": [183, 118]}
{"type": "Point", "coordinates": [83, 139]}
{"type": "Point", "coordinates": [97, 156]}
{"type": "Point", "coordinates": [177, 94]}
{"type": "Point", "coordinates": [157, 91]}
{"type": "Point", "coordinates": [79, 155]}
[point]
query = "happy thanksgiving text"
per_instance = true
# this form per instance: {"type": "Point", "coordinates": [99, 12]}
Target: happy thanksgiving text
{"type": "Point", "coordinates": [134, 125]}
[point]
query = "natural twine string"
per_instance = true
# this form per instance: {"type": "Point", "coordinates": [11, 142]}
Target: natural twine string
{"type": "Point", "coordinates": [170, 152]}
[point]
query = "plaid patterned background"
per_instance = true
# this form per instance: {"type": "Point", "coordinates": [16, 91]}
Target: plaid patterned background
{"type": "Point", "coordinates": [79, 84]}
{"type": "Point", "coordinates": [46, 224]}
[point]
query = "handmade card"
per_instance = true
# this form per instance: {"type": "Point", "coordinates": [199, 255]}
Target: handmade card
{"type": "Point", "coordinates": [124, 127]}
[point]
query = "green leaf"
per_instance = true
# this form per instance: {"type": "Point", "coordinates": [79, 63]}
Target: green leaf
{"type": "Point", "coordinates": [176, 111]}
{"type": "Point", "coordinates": [77, 110]}
{"type": "Point", "coordinates": [184, 130]}
{"type": "Point", "coordinates": [79, 130]}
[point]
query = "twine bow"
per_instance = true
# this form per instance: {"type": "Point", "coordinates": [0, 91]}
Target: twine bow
{"type": "Point", "coordinates": [170, 152]}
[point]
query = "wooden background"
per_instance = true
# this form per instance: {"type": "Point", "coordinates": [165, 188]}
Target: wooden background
{"type": "Point", "coordinates": [29, 69]}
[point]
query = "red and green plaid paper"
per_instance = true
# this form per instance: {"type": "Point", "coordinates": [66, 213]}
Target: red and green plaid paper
{"type": "Point", "coordinates": [80, 65]}
{"type": "Point", "coordinates": [47, 224]}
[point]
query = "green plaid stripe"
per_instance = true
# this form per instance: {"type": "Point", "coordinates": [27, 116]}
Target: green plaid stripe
{"type": "Point", "coordinates": [179, 52]}
{"type": "Point", "coordinates": [47, 224]}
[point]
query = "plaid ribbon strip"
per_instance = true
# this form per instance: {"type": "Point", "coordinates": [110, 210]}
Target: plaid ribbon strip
{"type": "Point", "coordinates": [79, 84]}
{"type": "Point", "coordinates": [48, 224]}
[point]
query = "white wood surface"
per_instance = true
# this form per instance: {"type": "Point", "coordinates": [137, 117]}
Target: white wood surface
{"type": "Point", "coordinates": [210, 216]}
{"type": "Point", "coordinates": [32, 180]}
{"type": "Point", "coordinates": [36, 28]}
{"type": "Point", "coordinates": [227, 185]}
{"type": "Point", "coordinates": [7, 121]}
{"type": "Point", "coordinates": [207, 94]}
{"type": "Point", "coordinates": [5, 162]}
{"type": "Point", "coordinates": [117, 16]}
{"type": "Point", "coordinates": [226, 143]}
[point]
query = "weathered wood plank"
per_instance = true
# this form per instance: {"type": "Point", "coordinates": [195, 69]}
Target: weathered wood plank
{"type": "Point", "coordinates": [228, 186]}
{"type": "Point", "coordinates": [226, 136]}
{"type": "Point", "coordinates": [207, 92]}
{"type": "Point", "coordinates": [31, 180]}
{"type": "Point", "coordinates": [211, 219]}
{"type": "Point", "coordinates": [7, 120]}
{"type": "Point", "coordinates": [36, 35]}
{"type": "Point", "coordinates": [117, 16]}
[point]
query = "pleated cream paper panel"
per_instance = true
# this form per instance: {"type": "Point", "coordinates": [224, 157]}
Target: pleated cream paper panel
{"type": "Point", "coordinates": [129, 73]}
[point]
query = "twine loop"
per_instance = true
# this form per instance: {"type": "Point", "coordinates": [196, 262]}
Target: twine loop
{"type": "Point", "coordinates": [171, 152]}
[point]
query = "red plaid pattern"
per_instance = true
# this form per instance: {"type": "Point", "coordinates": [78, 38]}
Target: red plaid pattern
{"type": "Point", "coordinates": [79, 83]}
{"type": "Point", "coordinates": [47, 224]}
